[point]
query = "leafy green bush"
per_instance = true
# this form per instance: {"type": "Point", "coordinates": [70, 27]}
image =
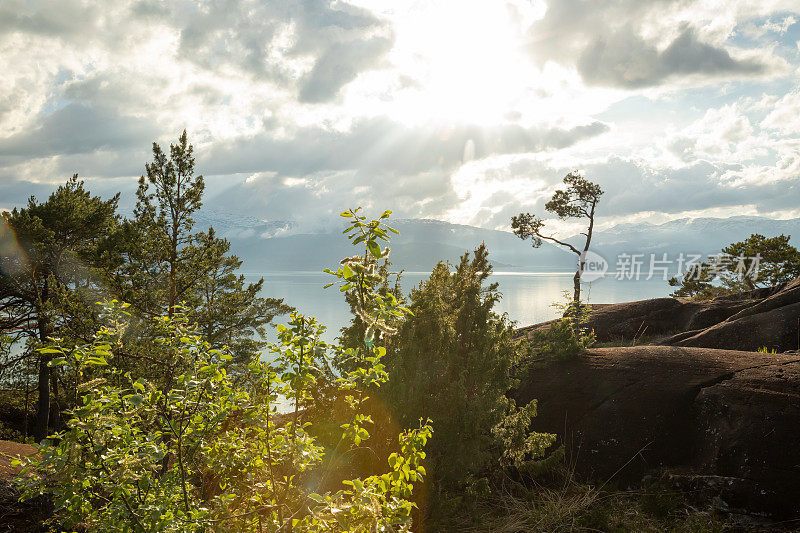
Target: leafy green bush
{"type": "Point", "coordinates": [202, 451]}
{"type": "Point", "coordinates": [565, 337]}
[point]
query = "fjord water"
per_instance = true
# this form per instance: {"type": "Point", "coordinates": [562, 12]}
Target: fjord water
{"type": "Point", "coordinates": [528, 297]}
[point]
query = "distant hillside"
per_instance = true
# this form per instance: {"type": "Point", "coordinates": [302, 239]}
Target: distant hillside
{"type": "Point", "coordinates": [689, 236]}
{"type": "Point", "coordinates": [267, 246]}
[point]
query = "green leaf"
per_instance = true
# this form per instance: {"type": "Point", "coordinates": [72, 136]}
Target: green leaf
{"type": "Point", "coordinates": [347, 272]}
{"type": "Point", "coordinates": [374, 249]}
{"type": "Point", "coordinates": [50, 350]}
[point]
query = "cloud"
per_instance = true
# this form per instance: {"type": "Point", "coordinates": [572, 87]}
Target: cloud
{"type": "Point", "coordinates": [632, 185]}
{"type": "Point", "coordinates": [78, 128]}
{"type": "Point", "coordinates": [381, 146]}
{"type": "Point", "coordinates": [68, 18]}
{"type": "Point", "coordinates": [725, 134]}
{"type": "Point", "coordinates": [784, 117]}
{"type": "Point", "coordinates": [626, 60]}
{"type": "Point", "coordinates": [376, 163]}
{"type": "Point", "coordinates": [313, 101]}
{"type": "Point", "coordinates": [631, 44]}
{"type": "Point", "coordinates": [339, 65]}
{"type": "Point", "coordinates": [316, 45]}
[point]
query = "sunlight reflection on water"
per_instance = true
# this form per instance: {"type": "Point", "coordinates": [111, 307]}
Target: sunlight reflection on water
{"type": "Point", "coordinates": [528, 297]}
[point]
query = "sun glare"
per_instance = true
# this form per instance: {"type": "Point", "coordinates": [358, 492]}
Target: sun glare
{"type": "Point", "coordinates": [465, 67]}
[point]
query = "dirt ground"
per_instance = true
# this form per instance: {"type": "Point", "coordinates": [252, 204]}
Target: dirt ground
{"type": "Point", "coordinates": [15, 516]}
{"type": "Point", "coordinates": [8, 452]}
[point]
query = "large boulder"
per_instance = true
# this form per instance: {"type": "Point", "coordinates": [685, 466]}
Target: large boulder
{"type": "Point", "coordinates": [762, 318]}
{"type": "Point", "coordinates": [772, 322]}
{"type": "Point", "coordinates": [728, 421]}
{"type": "Point", "coordinates": [661, 317]}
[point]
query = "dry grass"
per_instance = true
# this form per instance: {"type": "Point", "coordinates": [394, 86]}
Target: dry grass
{"type": "Point", "coordinates": [585, 508]}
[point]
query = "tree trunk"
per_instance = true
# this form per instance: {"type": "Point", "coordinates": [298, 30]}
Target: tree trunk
{"type": "Point", "coordinates": [576, 285]}
{"type": "Point", "coordinates": [55, 409]}
{"type": "Point", "coordinates": [43, 406]}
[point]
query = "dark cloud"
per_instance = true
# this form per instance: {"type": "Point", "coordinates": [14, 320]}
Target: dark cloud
{"type": "Point", "coordinates": [625, 60]}
{"type": "Point", "coordinates": [342, 40]}
{"type": "Point", "coordinates": [77, 128]}
{"type": "Point", "coordinates": [253, 36]}
{"type": "Point", "coordinates": [377, 163]}
{"type": "Point", "coordinates": [15, 193]}
{"type": "Point", "coordinates": [339, 65]}
{"type": "Point", "coordinates": [381, 146]}
{"type": "Point", "coordinates": [67, 18]}
{"type": "Point", "coordinates": [604, 41]}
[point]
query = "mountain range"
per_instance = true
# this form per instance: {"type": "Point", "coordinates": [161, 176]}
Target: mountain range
{"type": "Point", "coordinates": [270, 245]}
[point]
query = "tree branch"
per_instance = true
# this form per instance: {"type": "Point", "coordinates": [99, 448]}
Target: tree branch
{"type": "Point", "coordinates": [568, 245]}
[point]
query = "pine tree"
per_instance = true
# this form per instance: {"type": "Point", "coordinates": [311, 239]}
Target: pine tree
{"type": "Point", "coordinates": [454, 361]}
{"type": "Point", "coordinates": [48, 282]}
{"type": "Point", "coordinates": [578, 200]}
{"type": "Point", "coordinates": [159, 261]}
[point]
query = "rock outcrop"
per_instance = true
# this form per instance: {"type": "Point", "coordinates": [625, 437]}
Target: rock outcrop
{"type": "Point", "coordinates": [763, 318]}
{"type": "Point", "coordinates": [772, 322]}
{"type": "Point", "coordinates": [721, 421]}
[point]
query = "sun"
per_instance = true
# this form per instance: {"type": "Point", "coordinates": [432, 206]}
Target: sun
{"type": "Point", "coordinates": [466, 64]}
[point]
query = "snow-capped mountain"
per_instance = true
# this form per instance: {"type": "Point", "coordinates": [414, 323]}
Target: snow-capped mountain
{"type": "Point", "coordinates": [279, 246]}
{"type": "Point", "coordinates": [234, 227]}
{"type": "Point", "coordinates": [269, 245]}
{"type": "Point", "coordinates": [689, 236]}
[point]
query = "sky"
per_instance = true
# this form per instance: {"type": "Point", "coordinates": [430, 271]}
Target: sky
{"type": "Point", "coordinates": [468, 111]}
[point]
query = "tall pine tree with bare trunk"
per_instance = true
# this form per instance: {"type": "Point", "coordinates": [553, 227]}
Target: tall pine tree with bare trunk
{"type": "Point", "coordinates": [160, 260]}
{"type": "Point", "coordinates": [48, 284]}
{"type": "Point", "coordinates": [578, 200]}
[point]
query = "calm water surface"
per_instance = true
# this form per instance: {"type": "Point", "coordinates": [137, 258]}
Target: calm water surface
{"type": "Point", "coordinates": [527, 296]}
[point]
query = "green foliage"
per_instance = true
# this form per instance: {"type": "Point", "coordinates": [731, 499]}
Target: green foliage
{"type": "Point", "coordinates": [578, 200]}
{"type": "Point", "coordinates": [47, 276]}
{"type": "Point", "coordinates": [202, 451]}
{"type": "Point", "coordinates": [365, 281]}
{"type": "Point", "coordinates": [158, 260]}
{"type": "Point", "coordinates": [562, 340]}
{"type": "Point", "coordinates": [765, 349]}
{"type": "Point", "coordinates": [755, 262]}
{"type": "Point", "coordinates": [697, 283]}
{"type": "Point", "coordinates": [565, 337]}
{"type": "Point", "coordinates": [46, 247]}
{"type": "Point", "coordinates": [778, 262]}
{"type": "Point", "coordinates": [208, 452]}
{"type": "Point", "coordinates": [453, 362]}
{"type": "Point", "coordinates": [60, 257]}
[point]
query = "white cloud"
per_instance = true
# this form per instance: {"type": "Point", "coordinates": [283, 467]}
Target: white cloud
{"type": "Point", "coordinates": [784, 117]}
{"type": "Point", "coordinates": [306, 106]}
